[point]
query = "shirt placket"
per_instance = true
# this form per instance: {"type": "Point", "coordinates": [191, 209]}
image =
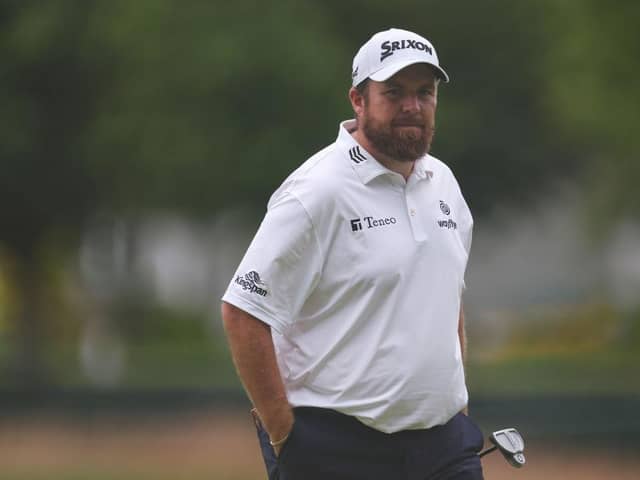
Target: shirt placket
{"type": "Point", "coordinates": [414, 213]}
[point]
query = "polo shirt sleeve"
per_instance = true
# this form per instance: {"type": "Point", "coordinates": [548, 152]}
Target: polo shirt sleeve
{"type": "Point", "coordinates": [466, 232]}
{"type": "Point", "coordinates": [281, 266]}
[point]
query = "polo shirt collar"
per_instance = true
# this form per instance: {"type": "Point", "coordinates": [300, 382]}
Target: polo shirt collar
{"type": "Point", "coordinates": [422, 169]}
{"type": "Point", "coordinates": [365, 165]}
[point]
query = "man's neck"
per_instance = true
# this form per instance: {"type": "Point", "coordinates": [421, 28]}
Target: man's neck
{"type": "Point", "coordinates": [404, 168]}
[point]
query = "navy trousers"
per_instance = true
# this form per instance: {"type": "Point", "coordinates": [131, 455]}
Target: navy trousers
{"type": "Point", "coordinates": [325, 444]}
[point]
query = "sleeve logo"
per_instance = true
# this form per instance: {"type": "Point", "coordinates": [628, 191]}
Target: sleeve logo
{"type": "Point", "coordinates": [251, 282]}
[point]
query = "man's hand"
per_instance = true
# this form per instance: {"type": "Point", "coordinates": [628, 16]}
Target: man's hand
{"type": "Point", "coordinates": [279, 428]}
{"type": "Point", "coordinates": [255, 360]}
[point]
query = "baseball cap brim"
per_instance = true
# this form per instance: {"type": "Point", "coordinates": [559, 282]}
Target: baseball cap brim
{"type": "Point", "coordinates": [391, 69]}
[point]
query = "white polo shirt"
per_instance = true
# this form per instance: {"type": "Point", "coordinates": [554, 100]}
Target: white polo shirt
{"type": "Point", "coordinates": [359, 273]}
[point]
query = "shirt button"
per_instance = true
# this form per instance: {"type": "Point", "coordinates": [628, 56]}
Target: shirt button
{"type": "Point", "coordinates": [412, 212]}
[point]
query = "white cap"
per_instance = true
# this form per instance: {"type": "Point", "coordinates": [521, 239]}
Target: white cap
{"type": "Point", "coordinates": [388, 52]}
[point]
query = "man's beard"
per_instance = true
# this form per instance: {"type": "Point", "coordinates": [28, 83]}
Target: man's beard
{"type": "Point", "coordinates": [406, 146]}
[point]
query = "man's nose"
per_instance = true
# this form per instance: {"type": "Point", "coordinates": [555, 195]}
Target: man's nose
{"type": "Point", "coordinates": [411, 103]}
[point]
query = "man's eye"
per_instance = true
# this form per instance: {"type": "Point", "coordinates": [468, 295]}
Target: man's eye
{"type": "Point", "coordinates": [393, 92]}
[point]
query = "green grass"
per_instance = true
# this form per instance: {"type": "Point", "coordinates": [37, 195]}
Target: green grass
{"type": "Point", "coordinates": [603, 372]}
{"type": "Point", "coordinates": [588, 349]}
{"type": "Point", "coordinates": [574, 350]}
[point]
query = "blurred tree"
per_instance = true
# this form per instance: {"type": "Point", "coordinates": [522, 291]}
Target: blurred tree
{"type": "Point", "coordinates": [212, 104]}
{"type": "Point", "coordinates": [125, 107]}
{"type": "Point", "coordinates": [592, 91]}
{"type": "Point", "coordinates": [49, 93]}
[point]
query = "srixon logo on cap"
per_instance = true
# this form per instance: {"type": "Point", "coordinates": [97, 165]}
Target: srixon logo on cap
{"type": "Point", "coordinates": [389, 47]}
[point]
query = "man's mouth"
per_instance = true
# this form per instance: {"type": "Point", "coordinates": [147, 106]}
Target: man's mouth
{"type": "Point", "coordinates": [409, 122]}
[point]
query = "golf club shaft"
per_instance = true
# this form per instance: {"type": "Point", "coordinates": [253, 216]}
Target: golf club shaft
{"type": "Point", "coordinates": [488, 450]}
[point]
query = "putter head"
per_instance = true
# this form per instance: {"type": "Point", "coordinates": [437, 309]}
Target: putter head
{"type": "Point", "coordinates": [510, 444]}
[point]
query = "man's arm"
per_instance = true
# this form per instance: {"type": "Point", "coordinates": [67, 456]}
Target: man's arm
{"type": "Point", "coordinates": [462, 337]}
{"type": "Point", "coordinates": [255, 360]}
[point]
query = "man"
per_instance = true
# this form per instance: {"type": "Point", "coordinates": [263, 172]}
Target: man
{"type": "Point", "coordinates": [345, 318]}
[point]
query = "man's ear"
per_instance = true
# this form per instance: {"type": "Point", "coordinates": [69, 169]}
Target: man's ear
{"type": "Point", "coordinates": [357, 101]}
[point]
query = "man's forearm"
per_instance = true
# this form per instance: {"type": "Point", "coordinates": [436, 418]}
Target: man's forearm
{"type": "Point", "coordinates": [462, 335]}
{"type": "Point", "coordinates": [462, 338]}
{"type": "Point", "coordinates": [255, 360]}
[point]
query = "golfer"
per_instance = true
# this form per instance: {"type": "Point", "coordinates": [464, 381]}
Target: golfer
{"type": "Point", "coordinates": [345, 318]}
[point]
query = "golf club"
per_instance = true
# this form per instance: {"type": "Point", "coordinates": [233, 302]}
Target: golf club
{"type": "Point", "coordinates": [511, 445]}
